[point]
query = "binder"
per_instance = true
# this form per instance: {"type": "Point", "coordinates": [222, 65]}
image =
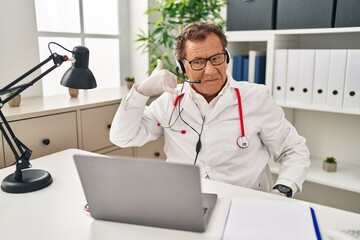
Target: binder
{"type": "Point", "coordinates": [292, 78]}
{"type": "Point", "coordinates": [336, 79]}
{"type": "Point", "coordinates": [236, 67]}
{"type": "Point", "coordinates": [252, 59]}
{"type": "Point", "coordinates": [254, 218]}
{"type": "Point", "coordinates": [280, 69]}
{"type": "Point", "coordinates": [321, 77]}
{"type": "Point", "coordinates": [260, 69]}
{"type": "Point", "coordinates": [245, 69]}
{"type": "Point", "coordinates": [352, 81]}
{"type": "Point", "coordinates": [240, 67]}
{"type": "Point", "coordinates": [306, 77]}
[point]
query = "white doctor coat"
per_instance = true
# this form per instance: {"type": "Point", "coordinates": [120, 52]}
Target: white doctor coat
{"type": "Point", "coordinates": [220, 158]}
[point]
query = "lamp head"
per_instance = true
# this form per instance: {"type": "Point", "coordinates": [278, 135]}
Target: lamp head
{"type": "Point", "coordinates": [79, 75]}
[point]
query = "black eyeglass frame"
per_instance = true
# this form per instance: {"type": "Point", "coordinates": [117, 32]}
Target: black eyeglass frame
{"type": "Point", "coordinates": [205, 60]}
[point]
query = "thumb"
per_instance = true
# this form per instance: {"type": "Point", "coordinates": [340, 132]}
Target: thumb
{"type": "Point", "coordinates": [159, 65]}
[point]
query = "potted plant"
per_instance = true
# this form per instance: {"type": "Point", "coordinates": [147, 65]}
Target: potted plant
{"type": "Point", "coordinates": [172, 16]}
{"type": "Point", "coordinates": [130, 80]}
{"type": "Point", "coordinates": [15, 101]}
{"type": "Point", "coordinates": [330, 164]}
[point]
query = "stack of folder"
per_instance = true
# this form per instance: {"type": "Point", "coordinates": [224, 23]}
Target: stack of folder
{"type": "Point", "coordinates": [250, 67]}
{"type": "Point", "coordinates": [326, 78]}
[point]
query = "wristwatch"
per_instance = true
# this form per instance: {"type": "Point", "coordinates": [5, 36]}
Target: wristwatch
{"type": "Point", "coordinates": [284, 189]}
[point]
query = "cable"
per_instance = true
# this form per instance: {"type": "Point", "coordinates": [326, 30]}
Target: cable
{"type": "Point", "coordinates": [198, 144]}
{"type": "Point", "coordinates": [59, 46]}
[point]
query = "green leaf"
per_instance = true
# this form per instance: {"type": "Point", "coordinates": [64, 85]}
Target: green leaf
{"type": "Point", "coordinates": [158, 42]}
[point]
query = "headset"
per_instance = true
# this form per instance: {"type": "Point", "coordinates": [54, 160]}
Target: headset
{"type": "Point", "coordinates": [180, 69]}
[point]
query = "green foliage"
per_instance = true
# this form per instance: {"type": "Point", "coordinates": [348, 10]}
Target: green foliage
{"type": "Point", "coordinates": [330, 160]}
{"type": "Point", "coordinates": [129, 79]}
{"type": "Point", "coordinates": [173, 15]}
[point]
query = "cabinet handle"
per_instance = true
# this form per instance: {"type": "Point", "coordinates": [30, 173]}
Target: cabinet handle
{"type": "Point", "coordinates": [157, 154]}
{"type": "Point", "coordinates": [109, 126]}
{"type": "Point", "coordinates": [46, 141]}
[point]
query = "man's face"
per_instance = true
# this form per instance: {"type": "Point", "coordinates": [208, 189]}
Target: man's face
{"type": "Point", "coordinates": [212, 77]}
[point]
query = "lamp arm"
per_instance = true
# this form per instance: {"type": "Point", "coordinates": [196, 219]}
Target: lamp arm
{"type": "Point", "coordinates": [21, 152]}
{"type": "Point", "coordinates": [58, 60]}
{"type": "Point", "coordinates": [22, 158]}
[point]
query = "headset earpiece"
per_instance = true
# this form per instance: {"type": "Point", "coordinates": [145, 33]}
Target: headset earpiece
{"type": "Point", "coordinates": [180, 66]}
{"type": "Point", "coordinates": [227, 56]}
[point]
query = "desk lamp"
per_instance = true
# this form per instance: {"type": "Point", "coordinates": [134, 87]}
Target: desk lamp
{"type": "Point", "coordinates": [79, 76]}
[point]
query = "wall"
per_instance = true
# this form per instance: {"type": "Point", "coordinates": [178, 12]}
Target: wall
{"type": "Point", "coordinates": [18, 43]}
{"type": "Point", "coordinates": [137, 20]}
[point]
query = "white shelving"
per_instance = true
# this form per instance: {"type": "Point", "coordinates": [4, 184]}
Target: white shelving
{"type": "Point", "coordinates": [347, 176]}
{"type": "Point", "coordinates": [328, 132]}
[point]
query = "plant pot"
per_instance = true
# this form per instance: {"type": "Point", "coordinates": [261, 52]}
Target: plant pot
{"type": "Point", "coordinates": [74, 92]}
{"type": "Point", "coordinates": [15, 102]}
{"type": "Point", "coordinates": [329, 167]}
{"type": "Point", "coordinates": [129, 85]}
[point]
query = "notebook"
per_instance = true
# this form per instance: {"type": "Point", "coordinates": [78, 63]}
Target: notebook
{"type": "Point", "coordinates": [145, 192]}
{"type": "Point", "coordinates": [280, 219]}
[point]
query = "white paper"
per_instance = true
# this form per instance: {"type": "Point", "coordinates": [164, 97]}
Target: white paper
{"type": "Point", "coordinates": [254, 219]}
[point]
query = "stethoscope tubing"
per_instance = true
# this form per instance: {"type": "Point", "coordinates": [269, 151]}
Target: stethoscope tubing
{"type": "Point", "coordinates": [241, 117]}
{"type": "Point", "coordinates": [242, 141]}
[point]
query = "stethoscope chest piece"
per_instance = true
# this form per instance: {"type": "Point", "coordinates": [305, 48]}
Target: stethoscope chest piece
{"type": "Point", "coordinates": [243, 142]}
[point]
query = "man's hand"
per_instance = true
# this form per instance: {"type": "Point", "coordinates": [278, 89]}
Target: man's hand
{"type": "Point", "coordinates": [159, 81]}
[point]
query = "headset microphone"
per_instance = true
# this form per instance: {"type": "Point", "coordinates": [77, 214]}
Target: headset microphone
{"type": "Point", "coordinates": [182, 77]}
{"type": "Point", "coordinates": [194, 81]}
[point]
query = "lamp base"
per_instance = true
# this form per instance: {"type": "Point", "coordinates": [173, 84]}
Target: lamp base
{"type": "Point", "coordinates": [32, 180]}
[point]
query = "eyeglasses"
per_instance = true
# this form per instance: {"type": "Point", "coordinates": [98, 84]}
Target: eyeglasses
{"type": "Point", "coordinates": [200, 64]}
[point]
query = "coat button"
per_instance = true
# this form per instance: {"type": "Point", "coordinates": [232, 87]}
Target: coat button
{"type": "Point", "coordinates": [206, 128]}
{"type": "Point", "coordinates": [208, 169]}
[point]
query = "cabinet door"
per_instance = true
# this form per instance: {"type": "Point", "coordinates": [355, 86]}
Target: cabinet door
{"type": "Point", "coordinates": [116, 151]}
{"type": "Point", "coordinates": [2, 161]}
{"type": "Point", "coordinates": [153, 149]}
{"type": "Point", "coordinates": [44, 135]}
{"type": "Point", "coordinates": [96, 123]}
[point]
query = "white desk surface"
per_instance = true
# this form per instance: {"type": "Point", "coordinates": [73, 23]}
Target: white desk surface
{"type": "Point", "coordinates": [56, 212]}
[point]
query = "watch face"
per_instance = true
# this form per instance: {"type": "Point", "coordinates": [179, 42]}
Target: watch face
{"type": "Point", "coordinates": [284, 189]}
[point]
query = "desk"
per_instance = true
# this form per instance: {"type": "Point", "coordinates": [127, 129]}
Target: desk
{"type": "Point", "coordinates": [56, 212]}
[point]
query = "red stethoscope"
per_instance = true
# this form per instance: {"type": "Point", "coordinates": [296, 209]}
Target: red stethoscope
{"type": "Point", "coordinates": [242, 141]}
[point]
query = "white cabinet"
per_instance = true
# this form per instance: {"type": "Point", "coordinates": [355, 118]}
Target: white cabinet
{"type": "Point", "coordinates": [153, 149]}
{"type": "Point", "coordinates": [116, 151]}
{"type": "Point", "coordinates": [95, 124]}
{"type": "Point", "coordinates": [2, 160]}
{"type": "Point", "coordinates": [328, 132]}
{"type": "Point", "coordinates": [51, 124]}
{"type": "Point", "coordinates": [44, 135]}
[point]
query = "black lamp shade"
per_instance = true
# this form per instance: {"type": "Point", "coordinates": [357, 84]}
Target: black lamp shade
{"type": "Point", "coordinates": [79, 75]}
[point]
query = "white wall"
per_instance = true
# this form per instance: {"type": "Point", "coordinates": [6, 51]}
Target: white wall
{"type": "Point", "coordinates": [137, 20]}
{"type": "Point", "coordinates": [18, 43]}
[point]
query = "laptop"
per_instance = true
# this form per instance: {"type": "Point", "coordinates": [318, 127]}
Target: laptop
{"type": "Point", "coordinates": [145, 192]}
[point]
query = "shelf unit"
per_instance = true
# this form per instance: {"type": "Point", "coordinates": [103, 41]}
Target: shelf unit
{"type": "Point", "coordinates": [328, 132]}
